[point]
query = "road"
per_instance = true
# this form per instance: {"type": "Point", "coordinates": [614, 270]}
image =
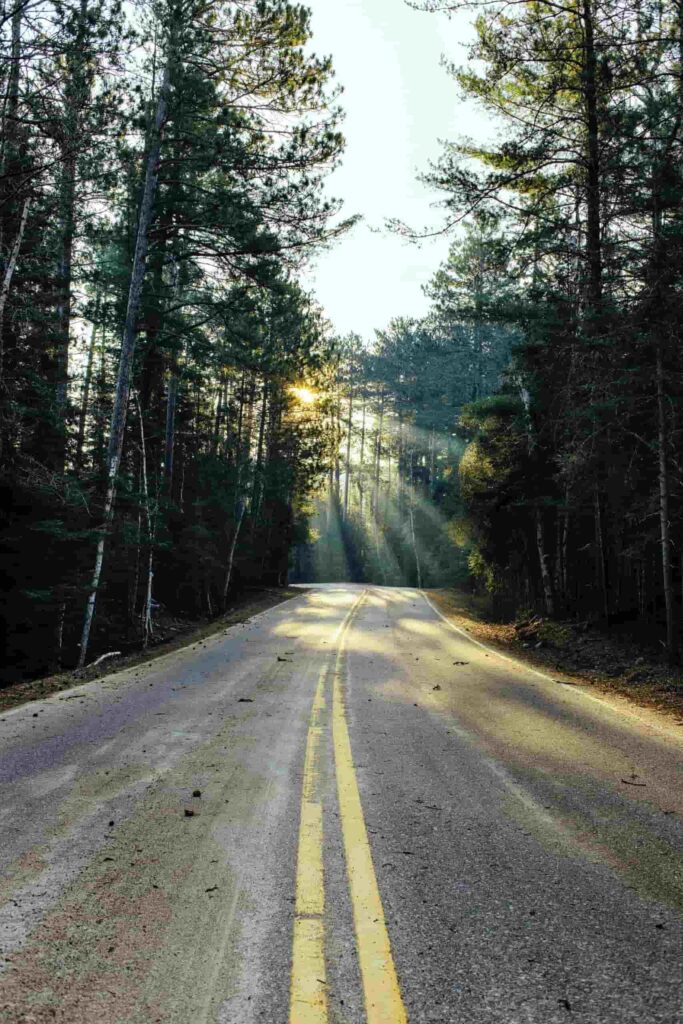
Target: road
{"type": "Point", "coordinates": [341, 811]}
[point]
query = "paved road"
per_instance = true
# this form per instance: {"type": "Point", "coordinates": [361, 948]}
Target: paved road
{"type": "Point", "coordinates": [342, 811]}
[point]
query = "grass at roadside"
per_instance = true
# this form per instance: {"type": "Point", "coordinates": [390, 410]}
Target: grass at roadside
{"type": "Point", "coordinates": [252, 603]}
{"type": "Point", "coordinates": [574, 652]}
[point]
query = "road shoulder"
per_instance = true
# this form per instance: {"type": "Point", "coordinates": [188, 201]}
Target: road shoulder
{"type": "Point", "coordinates": [15, 695]}
{"type": "Point", "coordinates": [621, 676]}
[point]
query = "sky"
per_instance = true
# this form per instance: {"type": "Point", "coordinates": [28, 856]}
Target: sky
{"type": "Point", "coordinates": [399, 102]}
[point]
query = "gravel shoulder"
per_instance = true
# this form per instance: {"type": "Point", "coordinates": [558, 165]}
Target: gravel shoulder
{"type": "Point", "coordinates": [183, 635]}
{"type": "Point", "coordinates": [576, 653]}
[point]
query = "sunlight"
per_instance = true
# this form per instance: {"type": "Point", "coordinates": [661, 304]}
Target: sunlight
{"type": "Point", "coordinates": [304, 395]}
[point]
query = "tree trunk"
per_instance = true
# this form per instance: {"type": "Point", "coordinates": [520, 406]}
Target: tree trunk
{"type": "Point", "coordinates": [593, 213]}
{"type": "Point", "coordinates": [83, 414]}
{"type": "Point", "coordinates": [257, 491]}
{"type": "Point", "coordinates": [602, 563]}
{"type": "Point", "coordinates": [231, 553]}
{"type": "Point", "coordinates": [361, 456]}
{"type": "Point", "coordinates": [120, 408]}
{"type": "Point", "coordinates": [412, 530]}
{"type": "Point", "coordinates": [544, 559]}
{"type": "Point", "coordinates": [146, 616]}
{"type": "Point", "coordinates": [9, 120]}
{"type": "Point", "coordinates": [347, 478]}
{"type": "Point", "coordinates": [378, 456]}
{"type": "Point", "coordinates": [665, 525]}
{"type": "Point", "coordinates": [61, 351]}
{"type": "Point", "coordinates": [7, 278]}
{"type": "Point", "coordinates": [169, 441]}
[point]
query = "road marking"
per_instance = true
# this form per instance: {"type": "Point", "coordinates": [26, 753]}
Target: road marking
{"type": "Point", "coordinates": [308, 999]}
{"type": "Point", "coordinates": [308, 993]}
{"type": "Point", "coordinates": [383, 1002]}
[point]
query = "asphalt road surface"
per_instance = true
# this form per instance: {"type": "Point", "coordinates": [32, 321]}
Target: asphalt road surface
{"type": "Point", "coordinates": [342, 811]}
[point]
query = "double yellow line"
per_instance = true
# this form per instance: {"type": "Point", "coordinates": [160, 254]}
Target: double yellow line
{"type": "Point", "coordinates": [308, 1001]}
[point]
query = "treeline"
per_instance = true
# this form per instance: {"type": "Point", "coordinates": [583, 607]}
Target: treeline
{"type": "Point", "coordinates": [392, 506]}
{"type": "Point", "coordinates": [572, 479]}
{"type": "Point", "coordinates": [160, 188]}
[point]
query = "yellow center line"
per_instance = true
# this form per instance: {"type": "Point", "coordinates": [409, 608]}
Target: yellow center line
{"type": "Point", "coordinates": [308, 994]}
{"type": "Point", "coordinates": [383, 1002]}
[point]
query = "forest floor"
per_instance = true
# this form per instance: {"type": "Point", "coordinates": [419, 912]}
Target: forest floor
{"type": "Point", "coordinates": [576, 652]}
{"type": "Point", "coordinates": [170, 635]}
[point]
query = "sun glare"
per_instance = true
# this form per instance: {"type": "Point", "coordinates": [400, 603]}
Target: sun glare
{"type": "Point", "coordinates": [305, 395]}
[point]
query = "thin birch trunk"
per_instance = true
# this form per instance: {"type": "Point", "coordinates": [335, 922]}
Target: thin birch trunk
{"type": "Point", "coordinates": [543, 558]}
{"type": "Point", "coordinates": [257, 489]}
{"type": "Point", "coordinates": [83, 414]}
{"type": "Point", "coordinates": [231, 553]}
{"type": "Point", "coordinates": [7, 279]}
{"type": "Point", "coordinates": [541, 547]}
{"type": "Point", "coordinates": [120, 408]}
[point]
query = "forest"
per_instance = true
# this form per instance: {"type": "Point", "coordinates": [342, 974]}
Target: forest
{"type": "Point", "coordinates": [535, 414]}
{"type": "Point", "coordinates": [179, 420]}
{"type": "Point", "coordinates": [160, 191]}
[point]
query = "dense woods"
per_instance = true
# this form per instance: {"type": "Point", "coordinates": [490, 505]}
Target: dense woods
{"type": "Point", "coordinates": [392, 511]}
{"type": "Point", "coordinates": [159, 194]}
{"type": "Point", "coordinates": [566, 494]}
{"type": "Point", "coordinates": [176, 416]}
{"type": "Point", "coordinates": [572, 477]}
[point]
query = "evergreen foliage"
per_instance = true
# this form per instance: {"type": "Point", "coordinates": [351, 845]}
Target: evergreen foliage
{"type": "Point", "coordinates": [160, 192]}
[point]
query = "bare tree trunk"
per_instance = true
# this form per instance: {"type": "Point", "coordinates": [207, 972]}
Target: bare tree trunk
{"type": "Point", "coordinates": [169, 441]}
{"type": "Point", "coordinates": [221, 407]}
{"type": "Point", "coordinates": [120, 408]}
{"type": "Point", "coordinates": [257, 490]}
{"type": "Point", "coordinates": [432, 459]}
{"type": "Point", "coordinates": [378, 456]}
{"type": "Point", "coordinates": [146, 616]}
{"type": "Point", "coordinates": [565, 549]}
{"type": "Point", "coordinates": [602, 565]}
{"type": "Point", "coordinates": [11, 105]}
{"type": "Point", "coordinates": [412, 529]}
{"type": "Point", "coordinates": [665, 525]}
{"type": "Point", "coordinates": [7, 278]}
{"type": "Point", "coordinates": [83, 414]}
{"type": "Point", "coordinates": [231, 553]}
{"type": "Point", "coordinates": [347, 478]}
{"type": "Point", "coordinates": [544, 559]}
{"type": "Point", "coordinates": [63, 310]}
{"type": "Point", "coordinates": [593, 212]}
{"type": "Point", "coordinates": [361, 457]}
{"type": "Point", "coordinates": [337, 445]}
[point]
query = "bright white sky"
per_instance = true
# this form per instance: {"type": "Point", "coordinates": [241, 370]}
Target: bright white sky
{"type": "Point", "coordinates": [399, 102]}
